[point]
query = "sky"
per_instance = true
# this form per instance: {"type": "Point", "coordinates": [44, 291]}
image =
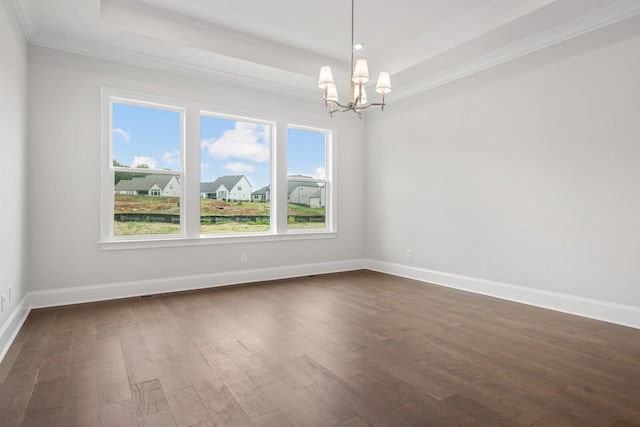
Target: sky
{"type": "Point", "coordinates": [151, 136]}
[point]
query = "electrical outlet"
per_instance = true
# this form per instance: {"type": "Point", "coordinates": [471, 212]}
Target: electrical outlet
{"type": "Point", "coordinates": [409, 254]}
{"type": "Point", "coordinates": [243, 257]}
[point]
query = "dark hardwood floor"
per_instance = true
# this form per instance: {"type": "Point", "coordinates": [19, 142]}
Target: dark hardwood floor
{"type": "Point", "coordinates": [349, 349]}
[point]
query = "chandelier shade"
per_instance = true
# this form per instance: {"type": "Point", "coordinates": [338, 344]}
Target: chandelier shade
{"type": "Point", "coordinates": [359, 76]}
{"type": "Point", "coordinates": [360, 72]}
{"type": "Point", "coordinates": [326, 78]}
{"type": "Point", "coordinates": [384, 83]}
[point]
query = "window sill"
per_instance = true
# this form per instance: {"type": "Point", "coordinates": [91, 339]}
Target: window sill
{"type": "Point", "coordinates": [213, 240]}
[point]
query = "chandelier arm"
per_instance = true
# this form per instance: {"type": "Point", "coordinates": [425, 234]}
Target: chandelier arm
{"type": "Point", "coordinates": [355, 97]}
{"type": "Point", "coordinates": [373, 104]}
{"type": "Point", "coordinates": [355, 108]}
{"type": "Point", "coordinates": [343, 107]}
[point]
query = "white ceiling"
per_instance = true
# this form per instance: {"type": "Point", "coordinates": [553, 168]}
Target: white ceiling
{"type": "Point", "coordinates": [279, 45]}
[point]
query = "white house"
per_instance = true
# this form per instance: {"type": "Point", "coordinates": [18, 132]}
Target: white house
{"type": "Point", "coordinates": [299, 192]}
{"type": "Point", "coordinates": [262, 195]}
{"type": "Point", "coordinates": [317, 199]}
{"type": "Point", "coordinates": [229, 187]}
{"type": "Point", "coordinates": [306, 193]}
{"type": "Point", "coordinates": [150, 185]}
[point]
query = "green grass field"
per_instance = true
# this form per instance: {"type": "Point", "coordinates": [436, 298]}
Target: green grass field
{"type": "Point", "coordinates": [170, 205]}
{"type": "Point", "coordinates": [146, 228]}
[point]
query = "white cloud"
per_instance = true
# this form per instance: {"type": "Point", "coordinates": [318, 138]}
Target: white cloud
{"type": "Point", "coordinates": [321, 173]}
{"type": "Point", "coordinates": [239, 167]}
{"type": "Point", "coordinates": [144, 160]}
{"type": "Point", "coordinates": [171, 157]}
{"type": "Point", "coordinates": [247, 141]}
{"type": "Point", "coordinates": [123, 133]}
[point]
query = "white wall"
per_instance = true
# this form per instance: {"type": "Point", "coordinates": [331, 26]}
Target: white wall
{"type": "Point", "coordinates": [13, 149]}
{"type": "Point", "coordinates": [65, 154]}
{"type": "Point", "coordinates": [530, 180]}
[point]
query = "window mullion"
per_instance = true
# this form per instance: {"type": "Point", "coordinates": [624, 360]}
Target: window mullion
{"type": "Point", "coordinates": [279, 180]}
{"type": "Point", "coordinates": [191, 173]}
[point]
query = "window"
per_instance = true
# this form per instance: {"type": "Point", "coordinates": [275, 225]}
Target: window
{"type": "Point", "coordinates": [235, 159]}
{"type": "Point", "coordinates": [146, 161]}
{"type": "Point", "coordinates": [178, 173]}
{"type": "Point", "coordinates": [307, 178]}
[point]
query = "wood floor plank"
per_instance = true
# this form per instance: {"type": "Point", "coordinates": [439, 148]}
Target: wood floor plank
{"type": "Point", "coordinates": [80, 405]}
{"type": "Point", "coordinates": [51, 418]}
{"type": "Point", "coordinates": [7, 363]}
{"type": "Point", "coordinates": [251, 398]}
{"type": "Point", "coordinates": [282, 396]}
{"type": "Point", "coordinates": [113, 385]}
{"type": "Point", "coordinates": [330, 407]}
{"type": "Point", "coordinates": [422, 409]}
{"type": "Point", "coordinates": [305, 416]}
{"type": "Point", "coordinates": [379, 350]}
{"type": "Point", "coordinates": [251, 365]}
{"type": "Point", "coordinates": [15, 394]}
{"type": "Point", "coordinates": [379, 394]}
{"type": "Point", "coordinates": [187, 407]}
{"type": "Point", "coordinates": [28, 360]}
{"type": "Point", "coordinates": [121, 414]}
{"type": "Point", "coordinates": [154, 339]}
{"type": "Point", "coordinates": [149, 398]}
{"type": "Point", "coordinates": [46, 395]}
{"type": "Point", "coordinates": [480, 412]}
{"type": "Point", "coordinates": [222, 407]}
{"type": "Point", "coordinates": [83, 348]}
{"type": "Point", "coordinates": [272, 419]}
{"type": "Point", "coordinates": [81, 410]}
{"type": "Point", "coordinates": [170, 372]}
{"type": "Point", "coordinates": [159, 419]}
{"type": "Point", "coordinates": [353, 422]}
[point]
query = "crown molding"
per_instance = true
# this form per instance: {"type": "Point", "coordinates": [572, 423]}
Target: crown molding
{"type": "Point", "coordinates": [296, 85]}
{"type": "Point", "coordinates": [304, 91]}
{"type": "Point", "coordinates": [600, 18]}
{"type": "Point", "coordinates": [26, 12]}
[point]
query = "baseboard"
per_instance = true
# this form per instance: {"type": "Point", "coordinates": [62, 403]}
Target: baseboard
{"type": "Point", "coordinates": [82, 294]}
{"type": "Point", "coordinates": [12, 326]}
{"type": "Point", "coordinates": [600, 310]}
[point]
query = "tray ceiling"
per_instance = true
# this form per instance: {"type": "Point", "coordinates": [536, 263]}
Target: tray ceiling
{"type": "Point", "coordinates": [279, 45]}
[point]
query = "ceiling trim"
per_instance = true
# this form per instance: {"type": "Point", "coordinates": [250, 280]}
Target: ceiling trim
{"type": "Point", "coordinates": [600, 18]}
{"type": "Point", "coordinates": [26, 12]}
{"type": "Point", "coordinates": [300, 86]}
{"type": "Point", "coordinates": [153, 62]}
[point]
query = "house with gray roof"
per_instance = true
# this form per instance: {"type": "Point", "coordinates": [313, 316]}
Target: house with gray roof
{"type": "Point", "coordinates": [150, 185]}
{"type": "Point", "coordinates": [262, 195]}
{"type": "Point", "coordinates": [304, 192]}
{"type": "Point", "coordinates": [299, 192]}
{"type": "Point", "coordinates": [229, 187]}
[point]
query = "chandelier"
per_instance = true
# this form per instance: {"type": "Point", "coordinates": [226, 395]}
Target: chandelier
{"type": "Point", "coordinates": [359, 76]}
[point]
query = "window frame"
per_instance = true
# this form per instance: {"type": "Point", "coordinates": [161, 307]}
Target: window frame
{"type": "Point", "coordinates": [190, 176]}
{"type": "Point", "coordinates": [244, 118]}
{"type": "Point", "coordinates": [149, 102]}
{"type": "Point", "coordinates": [328, 181]}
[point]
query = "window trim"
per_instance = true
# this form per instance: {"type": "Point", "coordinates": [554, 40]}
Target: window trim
{"type": "Point", "coordinates": [188, 236]}
{"type": "Point", "coordinates": [273, 125]}
{"type": "Point", "coordinates": [149, 102]}
{"type": "Point", "coordinates": [329, 181]}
